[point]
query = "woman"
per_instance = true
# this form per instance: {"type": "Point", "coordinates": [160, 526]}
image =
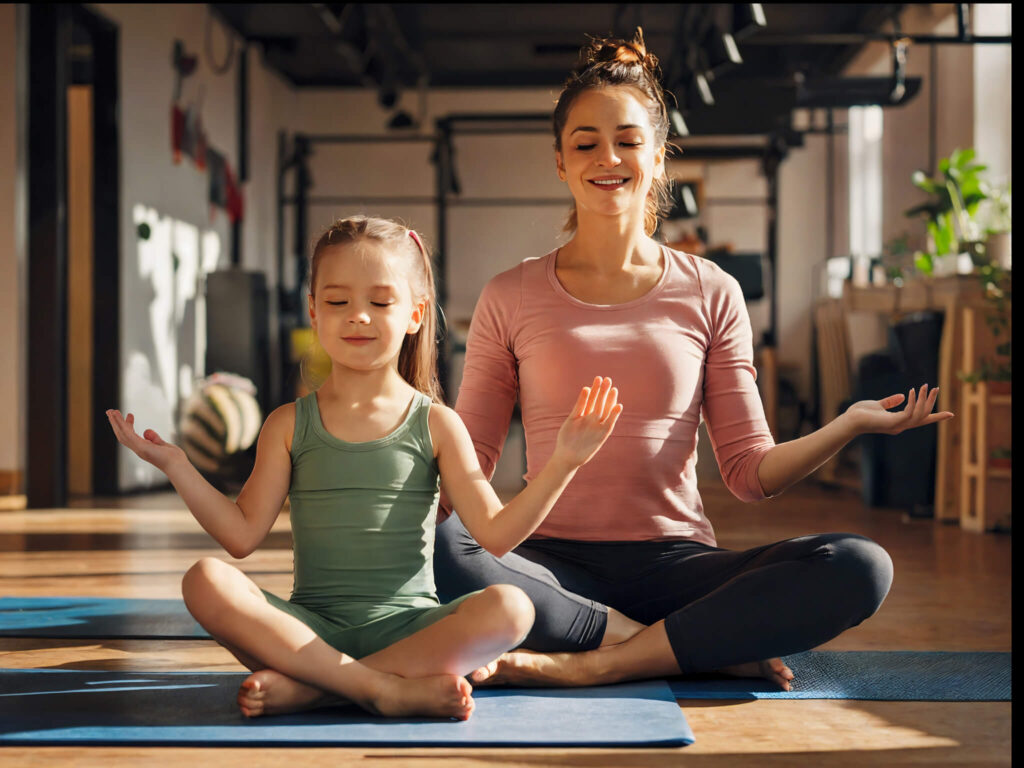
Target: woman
{"type": "Point", "coordinates": [626, 566]}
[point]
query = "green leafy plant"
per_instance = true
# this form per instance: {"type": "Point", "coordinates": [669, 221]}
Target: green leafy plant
{"type": "Point", "coordinates": [997, 286]}
{"type": "Point", "coordinates": [995, 212]}
{"type": "Point", "coordinates": [1000, 453]}
{"type": "Point", "coordinates": [949, 213]}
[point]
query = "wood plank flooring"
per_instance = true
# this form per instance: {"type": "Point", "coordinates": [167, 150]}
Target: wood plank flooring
{"type": "Point", "coordinates": [951, 592]}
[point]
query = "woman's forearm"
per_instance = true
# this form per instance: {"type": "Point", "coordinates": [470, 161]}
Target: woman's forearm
{"type": "Point", "coordinates": [789, 462]}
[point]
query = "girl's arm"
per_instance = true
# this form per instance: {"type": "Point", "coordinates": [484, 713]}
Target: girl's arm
{"type": "Point", "coordinates": [498, 528]}
{"type": "Point", "coordinates": [239, 526]}
{"type": "Point", "coordinates": [789, 462]}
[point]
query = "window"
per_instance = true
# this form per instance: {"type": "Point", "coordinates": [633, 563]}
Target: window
{"type": "Point", "coordinates": [865, 157]}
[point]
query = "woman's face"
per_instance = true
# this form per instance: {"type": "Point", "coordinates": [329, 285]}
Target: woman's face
{"type": "Point", "coordinates": [609, 156]}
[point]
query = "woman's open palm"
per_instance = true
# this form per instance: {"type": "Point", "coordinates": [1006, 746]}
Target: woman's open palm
{"type": "Point", "coordinates": [875, 416]}
{"type": "Point", "coordinates": [149, 446]}
{"type": "Point", "coordinates": [590, 422]}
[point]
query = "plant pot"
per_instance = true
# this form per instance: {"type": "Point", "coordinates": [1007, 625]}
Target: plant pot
{"type": "Point", "coordinates": [1000, 463]}
{"type": "Point", "coordinates": [997, 248]}
{"type": "Point", "coordinates": [943, 266]}
{"type": "Point", "coordinates": [999, 387]}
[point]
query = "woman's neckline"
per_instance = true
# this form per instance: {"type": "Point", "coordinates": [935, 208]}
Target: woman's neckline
{"type": "Point", "coordinates": [390, 437]}
{"type": "Point", "coordinates": [560, 289]}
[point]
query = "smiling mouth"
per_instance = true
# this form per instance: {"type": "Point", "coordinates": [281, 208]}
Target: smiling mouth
{"type": "Point", "coordinates": [612, 183]}
{"type": "Point", "coordinates": [356, 339]}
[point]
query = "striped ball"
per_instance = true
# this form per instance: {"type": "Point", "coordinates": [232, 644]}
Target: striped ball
{"type": "Point", "coordinates": [218, 421]}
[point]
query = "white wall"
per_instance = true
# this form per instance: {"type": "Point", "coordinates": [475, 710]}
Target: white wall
{"type": "Point", "coordinates": [993, 92]}
{"type": "Point", "coordinates": [162, 309]}
{"type": "Point", "coordinates": [11, 448]}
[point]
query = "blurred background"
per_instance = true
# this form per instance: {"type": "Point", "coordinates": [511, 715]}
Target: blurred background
{"type": "Point", "coordinates": [164, 169]}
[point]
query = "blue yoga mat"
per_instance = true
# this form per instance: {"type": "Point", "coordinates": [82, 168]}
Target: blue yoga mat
{"type": "Point", "coordinates": [871, 676]}
{"type": "Point", "coordinates": [198, 708]}
{"type": "Point", "coordinates": [88, 617]}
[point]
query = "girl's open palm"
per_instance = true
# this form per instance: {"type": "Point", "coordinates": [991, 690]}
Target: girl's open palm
{"type": "Point", "coordinates": [589, 423]}
{"type": "Point", "coordinates": [149, 446]}
{"type": "Point", "coordinates": [874, 416]}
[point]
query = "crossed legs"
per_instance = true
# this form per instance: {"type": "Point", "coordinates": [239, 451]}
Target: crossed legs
{"type": "Point", "coordinates": [293, 668]}
{"type": "Point", "coordinates": [691, 608]}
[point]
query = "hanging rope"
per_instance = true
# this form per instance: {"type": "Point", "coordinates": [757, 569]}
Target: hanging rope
{"type": "Point", "coordinates": [218, 69]}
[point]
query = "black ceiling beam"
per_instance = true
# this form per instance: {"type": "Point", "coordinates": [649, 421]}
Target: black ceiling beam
{"type": "Point", "coordinates": [859, 38]}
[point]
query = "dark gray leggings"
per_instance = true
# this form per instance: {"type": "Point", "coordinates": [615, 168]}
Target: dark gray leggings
{"type": "Point", "coordinates": [721, 607]}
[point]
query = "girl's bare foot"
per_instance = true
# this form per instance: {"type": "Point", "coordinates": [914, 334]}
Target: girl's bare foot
{"type": "Point", "coordinates": [268, 692]}
{"type": "Point", "coordinates": [524, 667]}
{"type": "Point", "coordinates": [770, 669]}
{"type": "Point", "coordinates": [436, 696]}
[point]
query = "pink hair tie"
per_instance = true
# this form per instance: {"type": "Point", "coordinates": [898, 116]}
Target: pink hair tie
{"type": "Point", "coordinates": [419, 243]}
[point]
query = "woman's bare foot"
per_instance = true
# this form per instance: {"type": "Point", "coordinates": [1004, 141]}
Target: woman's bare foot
{"type": "Point", "coordinates": [268, 692]}
{"type": "Point", "coordinates": [436, 696]}
{"type": "Point", "coordinates": [770, 669]}
{"type": "Point", "coordinates": [524, 667]}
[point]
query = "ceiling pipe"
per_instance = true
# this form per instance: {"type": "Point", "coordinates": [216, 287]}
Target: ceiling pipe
{"type": "Point", "coordinates": [858, 38]}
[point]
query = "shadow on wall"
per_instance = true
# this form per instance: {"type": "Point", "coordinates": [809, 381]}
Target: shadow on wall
{"type": "Point", "coordinates": [165, 356]}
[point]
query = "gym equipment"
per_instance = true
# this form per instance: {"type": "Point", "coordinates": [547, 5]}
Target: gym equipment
{"type": "Point", "coordinates": [219, 421]}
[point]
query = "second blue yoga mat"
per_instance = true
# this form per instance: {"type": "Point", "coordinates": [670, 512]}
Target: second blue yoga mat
{"type": "Point", "coordinates": [87, 617]}
{"type": "Point", "coordinates": [198, 708]}
{"type": "Point", "coordinates": [871, 676]}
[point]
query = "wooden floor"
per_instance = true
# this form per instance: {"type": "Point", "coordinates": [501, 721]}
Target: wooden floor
{"type": "Point", "coordinates": [951, 592]}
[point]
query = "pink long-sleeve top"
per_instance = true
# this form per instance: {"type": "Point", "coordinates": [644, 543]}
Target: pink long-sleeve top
{"type": "Point", "coordinates": [683, 347]}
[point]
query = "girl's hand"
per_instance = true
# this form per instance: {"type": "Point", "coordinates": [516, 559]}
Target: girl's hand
{"type": "Point", "coordinates": [874, 416]}
{"type": "Point", "coordinates": [148, 447]}
{"type": "Point", "coordinates": [589, 423]}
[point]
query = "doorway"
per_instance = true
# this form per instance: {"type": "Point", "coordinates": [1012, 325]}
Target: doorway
{"type": "Point", "coordinates": [74, 253]}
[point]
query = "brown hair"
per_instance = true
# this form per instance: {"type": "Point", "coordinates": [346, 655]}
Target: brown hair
{"type": "Point", "coordinates": [417, 360]}
{"type": "Point", "coordinates": [612, 61]}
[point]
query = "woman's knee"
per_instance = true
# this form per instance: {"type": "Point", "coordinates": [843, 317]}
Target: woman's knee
{"type": "Point", "coordinates": [862, 568]}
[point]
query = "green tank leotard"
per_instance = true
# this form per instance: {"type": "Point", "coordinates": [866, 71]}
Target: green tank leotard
{"type": "Point", "coordinates": [362, 519]}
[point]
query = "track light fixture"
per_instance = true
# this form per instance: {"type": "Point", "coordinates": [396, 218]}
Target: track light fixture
{"type": "Point", "coordinates": [676, 121]}
{"type": "Point", "coordinates": [720, 50]}
{"type": "Point", "coordinates": [747, 18]}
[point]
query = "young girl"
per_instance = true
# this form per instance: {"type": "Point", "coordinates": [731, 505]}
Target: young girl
{"type": "Point", "coordinates": [360, 459]}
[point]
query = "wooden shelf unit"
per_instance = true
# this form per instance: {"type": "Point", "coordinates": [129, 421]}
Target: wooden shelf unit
{"type": "Point", "coordinates": [985, 491]}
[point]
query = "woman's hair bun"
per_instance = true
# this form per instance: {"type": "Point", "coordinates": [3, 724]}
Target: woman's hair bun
{"type": "Point", "coordinates": [612, 49]}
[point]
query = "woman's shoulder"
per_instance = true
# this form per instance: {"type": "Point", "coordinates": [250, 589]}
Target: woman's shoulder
{"type": "Point", "coordinates": [712, 280]}
{"type": "Point", "coordinates": [526, 272]}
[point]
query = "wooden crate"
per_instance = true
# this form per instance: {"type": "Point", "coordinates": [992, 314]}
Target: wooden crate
{"type": "Point", "coordinates": [985, 489]}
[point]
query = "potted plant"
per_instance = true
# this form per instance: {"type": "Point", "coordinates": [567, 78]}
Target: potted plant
{"type": "Point", "coordinates": [996, 217]}
{"type": "Point", "coordinates": [950, 211]}
{"type": "Point", "coordinates": [999, 458]}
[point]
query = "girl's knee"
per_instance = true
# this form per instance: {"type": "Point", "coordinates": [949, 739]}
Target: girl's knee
{"type": "Point", "coordinates": [509, 607]}
{"type": "Point", "coordinates": [200, 582]}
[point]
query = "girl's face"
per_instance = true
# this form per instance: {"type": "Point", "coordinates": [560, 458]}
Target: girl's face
{"type": "Point", "coordinates": [609, 156]}
{"type": "Point", "coordinates": [362, 308]}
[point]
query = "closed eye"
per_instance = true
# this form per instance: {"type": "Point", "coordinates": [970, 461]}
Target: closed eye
{"type": "Point", "coordinates": [584, 147]}
{"type": "Point", "coordinates": [381, 304]}
{"type": "Point", "coordinates": [337, 303]}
